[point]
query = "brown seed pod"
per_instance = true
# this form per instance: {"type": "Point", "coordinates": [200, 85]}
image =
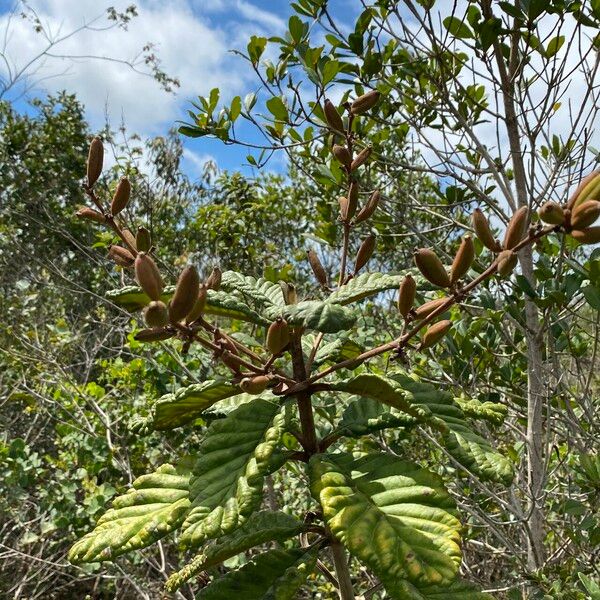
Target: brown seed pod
{"type": "Point", "coordinates": [143, 241]}
{"type": "Point", "coordinates": [214, 279]}
{"type": "Point", "coordinates": [332, 116]}
{"type": "Point", "coordinates": [94, 161]}
{"type": "Point", "coordinates": [344, 205]}
{"type": "Point", "coordinates": [148, 276]}
{"type": "Point", "coordinates": [435, 333]}
{"type": "Point", "coordinates": [121, 256]}
{"type": "Point", "coordinates": [342, 155]}
{"type": "Point", "coordinates": [423, 311]}
{"type": "Point", "coordinates": [552, 213]}
{"type": "Point", "coordinates": [431, 266]}
{"type": "Point", "coordinates": [292, 295]}
{"type": "Point", "coordinates": [369, 208]}
{"type": "Point", "coordinates": [507, 261]}
{"type": "Point", "coordinates": [463, 260]}
{"type": "Point", "coordinates": [586, 190]}
{"type": "Point", "coordinates": [353, 190]}
{"type": "Point", "coordinates": [199, 305]}
{"type": "Point", "coordinates": [517, 226]}
{"type": "Point", "coordinates": [361, 158]}
{"type": "Point", "coordinates": [483, 231]}
{"type": "Point", "coordinates": [154, 334]}
{"type": "Point", "coordinates": [364, 253]}
{"type": "Point", "coordinates": [278, 336]}
{"type": "Point", "coordinates": [90, 214]}
{"type": "Point", "coordinates": [365, 102]}
{"type": "Point", "coordinates": [317, 267]}
{"type": "Point", "coordinates": [590, 235]}
{"type": "Point", "coordinates": [585, 214]}
{"type": "Point", "coordinates": [255, 385]}
{"type": "Point", "coordinates": [129, 238]}
{"type": "Point", "coordinates": [121, 196]}
{"type": "Point", "coordinates": [229, 359]}
{"type": "Point", "coordinates": [406, 295]}
{"type": "Point", "coordinates": [156, 314]}
{"type": "Point", "coordinates": [185, 295]}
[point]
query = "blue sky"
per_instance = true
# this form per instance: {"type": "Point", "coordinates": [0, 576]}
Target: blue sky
{"type": "Point", "coordinates": [193, 39]}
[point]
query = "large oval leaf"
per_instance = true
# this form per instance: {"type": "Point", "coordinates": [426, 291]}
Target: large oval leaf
{"type": "Point", "coordinates": [316, 315]}
{"type": "Point", "coordinates": [274, 575]}
{"type": "Point", "coordinates": [227, 482]}
{"type": "Point", "coordinates": [364, 286]}
{"type": "Point", "coordinates": [393, 515]}
{"type": "Point", "coordinates": [156, 505]}
{"type": "Point", "coordinates": [260, 291]}
{"type": "Point", "coordinates": [260, 528]}
{"type": "Point", "coordinates": [459, 590]}
{"type": "Point", "coordinates": [184, 405]}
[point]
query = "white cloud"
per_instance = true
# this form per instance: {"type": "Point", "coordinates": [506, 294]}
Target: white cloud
{"type": "Point", "coordinates": [190, 46]}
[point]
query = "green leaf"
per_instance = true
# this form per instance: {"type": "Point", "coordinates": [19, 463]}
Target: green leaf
{"type": "Point", "coordinates": [277, 108]}
{"type": "Point", "coordinates": [218, 303]}
{"type": "Point", "coordinates": [490, 411]}
{"type": "Point", "coordinates": [384, 390]}
{"type": "Point", "coordinates": [554, 45]}
{"type": "Point", "coordinates": [227, 482]}
{"type": "Point", "coordinates": [256, 47]}
{"type": "Point", "coordinates": [316, 315]}
{"type": "Point", "coordinates": [391, 514]}
{"type": "Point", "coordinates": [226, 305]}
{"type": "Point", "coordinates": [155, 506]}
{"type": "Point", "coordinates": [260, 291]}
{"type": "Point", "coordinates": [457, 28]}
{"type": "Point", "coordinates": [363, 416]}
{"type": "Point", "coordinates": [337, 350]}
{"type": "Point", "coordinates": [458, 590]}
{"type": "Point", "coordinates": [363, 286]}
{"type": "Point", "coordinates": [592, 295]}
{"type": "Point", "coordinates": [260, 528]}
{"type": "Point", "coordinates": [274, 575]}
{"type": "Point", "coordinates": [188, 403]}
{"type": "Point", "coordinates": [591, 586]}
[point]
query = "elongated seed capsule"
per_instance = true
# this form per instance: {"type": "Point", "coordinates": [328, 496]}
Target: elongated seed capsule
{"type": "Point", "coordinates": [95, 161]}
{"type": "Point", "coordinates": [342, 155]}
{"type": "Point", "coordinates": [278, 336]}
{"type": "Point", "coordinates": [129, 238]}
{"type": "Point", "coordinates": [344, 205]}
{"type": "Point", "coordinates": [214, 279]}
{"type": "Point", "coordinates": [121, 196]}
{"type": "Point", "coordinates": [463, 260]}
{"type": "Point", "coordinates": [148, 276]}
{"type": "Point", "coordinates": [507, 261]}
{"type": "Point", "coordinates": [590, 235]}
{"type": "Point", "coordinates": [317, 267]}
{"type": "Point", "coordinates": [435, 333]}
{"type": "Point", "coordinates": [353, 190]}
{"type": "Point", "coordinates": [292, 295]}
{"type": "Point", "coordinates": [552, 213]}
{"type": "Point", "coordinates": [185, 295]}
{"type": "Point", "coordinates": [255, 385]}
{"type": "Point", "coordinates": [143, 241]}
{"type": "Point", "coordinates": [423, 311]}
{"type": "Point", "coordinates": [585, 214]}
{"type": "Point", "coordinates": [230, 360]}
{"type": "Point", "coordinates": [588, 189]}
{"type": "Point", "coordinates": [121, 256]}
{"type": "Point", "coordinates": [90, 214]}
{"type": "Point", "coordinates": [199, 305]}
{"type": "Point", "coordinates": [156, 314]}
{"type": "Point", "coordinates": [431, 266]}
{"type": "Point", "coordinates": [332, 116]}
{"type": "Point", "coordinates": [483, 231]}
{"type": "Point", "coordinates": [580, 187]}
{"type": "Point", "coordinates": [154, 334]}
{"type": "Point", "coordinates": [361, 158]}
{"type": "Point", "coordinates": [364, 253]}
{"type": "Point", "coordinates": [365, 102]}
{"type": "Point", "coordinates": [516, 228]}
{"type": "Point", "coordinates": [369, 208]}
{"type": "Point", "coordinates": [406, 295]}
